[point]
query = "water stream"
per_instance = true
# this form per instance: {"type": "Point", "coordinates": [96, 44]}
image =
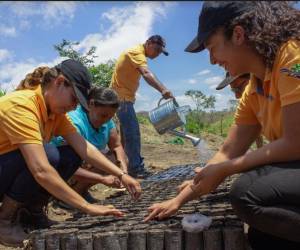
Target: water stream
{"type": "Point", "coordinates": [204, 152]}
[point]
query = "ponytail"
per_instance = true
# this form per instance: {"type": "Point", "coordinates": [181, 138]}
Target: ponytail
{"type": "Point", "coordinates": [40, 76]}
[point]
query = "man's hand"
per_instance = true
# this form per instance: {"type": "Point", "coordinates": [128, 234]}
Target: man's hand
{"type": "Point", "coordinates": [167, 94]}
{"type": "Point", "coordinates": [133, 186]}
{"type": "Point", "coordinates": [95, 210]}
{"type": "Point", "coordinates": [209, 178]}
{"type": "Point", "coordinates": [186, 183]}
{"type": "Point", "coordinates": [163, 209]}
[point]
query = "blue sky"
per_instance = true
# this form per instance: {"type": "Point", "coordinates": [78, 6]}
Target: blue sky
{"type": "Point", "coordinates": [28, 31]}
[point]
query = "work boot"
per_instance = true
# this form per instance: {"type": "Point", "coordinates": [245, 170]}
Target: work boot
{"type": "Point", "coordinates": [11, 232]}
{"type": "Point", "coordinates": [34, 214]}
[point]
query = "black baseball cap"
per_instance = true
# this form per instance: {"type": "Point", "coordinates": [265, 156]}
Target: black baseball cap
{"type": "Point", "coordinates": [79, 77]}
{"type": "Point", "coordinates": [160, 41]}
{"type": "Point", "coordinates": [215, 14]}
{"type": "Point", "coordinates": [230, 79]}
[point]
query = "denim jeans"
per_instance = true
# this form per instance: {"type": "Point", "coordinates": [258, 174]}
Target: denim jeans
{"type": "Point", "coordinates": [16, 180]}
{"type": "Point", "coordinates": [130, 131]}
{"type": "Point", "coordinates": [268, 199]}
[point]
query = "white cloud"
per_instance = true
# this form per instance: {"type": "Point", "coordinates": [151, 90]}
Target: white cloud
{"type": "Point", "coordinates": [7, 31]}
{"type": "Point", "coordinates": [128, 27]}
{"type": "Point", "coordinates": [185, 100]}
{"type": "Point", "coordinates": [12, 73]}
{"type": "Point", "coordinates": [203, 72]}
{"type": "Point", "coordinates": [213, 80]}
{"type": "Point", "coordinates": [50, 13]}
{"type": "Point", "coordinates": [192, 81]}
{"type": "Point", "coordinates": [222, 101]}
{"type": "Point", "coordinates": [5, 55]}
{"type": "Point", "coordinates": [144, 102]}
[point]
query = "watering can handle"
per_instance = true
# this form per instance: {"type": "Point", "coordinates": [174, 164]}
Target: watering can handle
{"type": "Point", "coordinates": [163, 98]}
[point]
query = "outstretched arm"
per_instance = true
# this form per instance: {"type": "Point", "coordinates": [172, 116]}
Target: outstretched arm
{"type": "Point", "coordinates": [48, 178]}
{"type": "Point", "coordinates": [152, 80]}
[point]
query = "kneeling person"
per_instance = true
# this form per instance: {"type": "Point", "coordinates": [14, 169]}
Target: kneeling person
{"type": "Point", "coordinates": [97, 127]}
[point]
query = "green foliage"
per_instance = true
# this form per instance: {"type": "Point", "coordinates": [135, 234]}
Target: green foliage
{"type": "Point", "coordinates": [202, 101]}
{"type": "Point", "coordinates": [143, 119]}
{"type": "Point", "coordinates": [215, 128]}
{"type": "Point", "coordinates": [216, 122]}
{"type": "Point", "coordinates": [176, 141]}
{"type": "Point", "coordinates": [102, 73]}
{"type": "Point", "coordinates": [66, 49]}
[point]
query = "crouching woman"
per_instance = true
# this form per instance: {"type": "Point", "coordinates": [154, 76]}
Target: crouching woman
{"type": "Point", "coordinates": [30, 168]}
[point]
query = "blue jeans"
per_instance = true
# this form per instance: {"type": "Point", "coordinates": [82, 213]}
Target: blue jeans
{"type": "Point", "coordinates": [131, 136]}
{"type": "Point", "coordinates": [17, 182]}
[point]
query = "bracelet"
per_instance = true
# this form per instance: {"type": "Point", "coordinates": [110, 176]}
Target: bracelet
{"type": "Point", "coordinates": [121, 175]}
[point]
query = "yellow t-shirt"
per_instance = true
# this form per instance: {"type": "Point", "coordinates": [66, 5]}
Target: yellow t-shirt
{"type": "Point", "coordinates": [261, 102]}
{"type": "Point", "coordinates": [24, 119]}
{"type": "Point", "coordinates": [125, 79]}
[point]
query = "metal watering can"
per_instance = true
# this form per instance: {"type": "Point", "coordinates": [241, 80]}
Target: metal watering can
{"type": "Point", "coordinates": [168, 116]}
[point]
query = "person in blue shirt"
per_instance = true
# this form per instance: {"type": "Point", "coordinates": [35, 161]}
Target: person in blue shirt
{"type": "Point", "coordinates": [97, 127]}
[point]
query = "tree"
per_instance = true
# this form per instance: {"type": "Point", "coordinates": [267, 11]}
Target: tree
{"type": "Point", "coordinates": [101, 73]}
{"type": "Point", "coordinates": [66, 49]}
{"type": "Point", "coordinates": [202, 101]}
{"type": "Point", "coordinates": [232, 104]}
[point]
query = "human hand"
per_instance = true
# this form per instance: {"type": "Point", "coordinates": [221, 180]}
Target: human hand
{"type": "Point", "coordinates": [167, 94]}
{"type": "Point", "coordinates": [94, 210]}
{"type": "Point", "coordinates": [208, 178]}
{"type": "Point", "coordinates": [184, 184]}
{"type": "Point", "coordinates": [133, 186]}
{"type": "Point", "coordinates": [163, 209]}
{"type": "Point", "coordinates": [111, 181]}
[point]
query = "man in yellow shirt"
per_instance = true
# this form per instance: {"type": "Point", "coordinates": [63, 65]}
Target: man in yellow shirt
{"type": "Point", "coordinates": [131, 65]}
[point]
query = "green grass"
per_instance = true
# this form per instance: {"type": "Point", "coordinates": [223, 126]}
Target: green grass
{"type": "Point", "coordinates": [215, 128]}
{"type": "Point", "coordinates": [197, 128]}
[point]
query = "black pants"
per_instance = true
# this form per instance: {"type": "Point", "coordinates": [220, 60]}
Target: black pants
{"type": "Point", "coordinates": [16, 180]}
{"type": "Point", "coordinates": [268, 199]}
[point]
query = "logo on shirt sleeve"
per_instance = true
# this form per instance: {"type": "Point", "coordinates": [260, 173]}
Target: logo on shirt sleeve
{"type": "Point", "coordinates": [293, 72]}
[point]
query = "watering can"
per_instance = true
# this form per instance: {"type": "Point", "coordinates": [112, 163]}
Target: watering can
{"type": "Point", "coordinates": [168, 116]}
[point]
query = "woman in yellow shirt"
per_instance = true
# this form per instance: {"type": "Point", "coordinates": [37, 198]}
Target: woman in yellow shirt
{"type": "Point", "coordinates": [261, 38]}
{"type": "Point", "coordinates": [30, 168]}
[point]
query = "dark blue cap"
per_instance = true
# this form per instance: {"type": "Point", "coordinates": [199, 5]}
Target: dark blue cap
{"type": "Point", "coordinates": [79, 77]}
{"type": "Point", "coordinates": [215, 14]}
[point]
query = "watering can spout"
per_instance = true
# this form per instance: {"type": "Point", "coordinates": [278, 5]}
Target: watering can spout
{"type": "Point", "coordinates": [195, 140]}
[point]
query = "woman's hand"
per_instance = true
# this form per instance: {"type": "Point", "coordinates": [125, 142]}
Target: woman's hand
{"type": "Point", "coordinates": [133, 186]}
{"type": "Point", "coordinates": [93, 209]}
{"type": "Point", "coordinates": [111, 181]}
{"type": "Point", "coordinates": [163, 209]}
{"type": "Point", "coordinates": [209, 178]}
{"type": "Point", "coordinates": [184, 184]}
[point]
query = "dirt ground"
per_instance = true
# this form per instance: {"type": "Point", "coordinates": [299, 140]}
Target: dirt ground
{"type": "Point", "coordinates": [158, 154]}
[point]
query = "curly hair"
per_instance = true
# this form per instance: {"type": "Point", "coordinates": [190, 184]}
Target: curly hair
{"type": "Point", "coordinates": [267, 26]}
{"type": "Point", "coordinates": [105, 97]}
{"type": "Point", "coordinates": [39, 76]}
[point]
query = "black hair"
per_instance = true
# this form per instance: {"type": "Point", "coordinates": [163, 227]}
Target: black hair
{"type": "Point", "coordinates": [268, 25]}
{"type": "Point", "coordinates": [104, 97]}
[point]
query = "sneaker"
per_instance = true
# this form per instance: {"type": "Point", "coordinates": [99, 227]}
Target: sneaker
{"type": "Point", "coordinates": [61, 204]}
{"type": "Point", "coordinates": [89, 198]}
